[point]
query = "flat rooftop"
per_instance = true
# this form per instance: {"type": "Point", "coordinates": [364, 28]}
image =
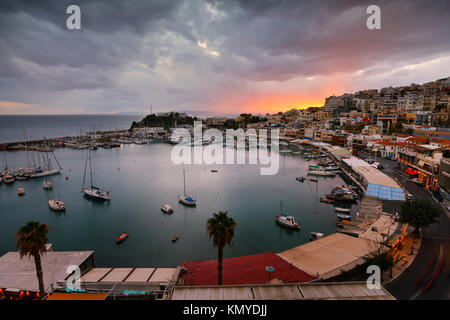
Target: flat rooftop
{"type": "Point", "coordinates": [16, 273]}
{"type": "Point", "coordinates": [305, 291]}
{"type": "Point", "coordinates": [244, 270]}
{"type": "Point", "coordinates": [157, 276]}
{"type": "Point", "coordinates": [329, 256]}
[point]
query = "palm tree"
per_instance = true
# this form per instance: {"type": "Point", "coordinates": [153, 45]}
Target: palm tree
{"type": "Point", "coordinates": [221, 229]}
{"type": "Point", "coordinates": [31, 239]}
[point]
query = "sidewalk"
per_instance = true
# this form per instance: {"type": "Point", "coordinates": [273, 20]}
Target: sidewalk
{"type": "Point", "coordinates": [404, 257]}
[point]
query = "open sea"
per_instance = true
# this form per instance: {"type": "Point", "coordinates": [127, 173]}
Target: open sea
{"type": "Point", "coordinates": [141, 178]}
{"type": "Point", "coordinates": [14, 128]}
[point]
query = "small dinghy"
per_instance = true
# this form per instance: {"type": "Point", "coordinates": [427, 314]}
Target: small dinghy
{"type": "Point", "coordinates": [56, 205]}
{"type": "Point", "coordinates": [300, 179]}
{"type": "Point", "coordinates": [315, 235]}
{"type": "Point", "coordinates": [325, 200]}
{"type": "Point", "coordinates": [167, 208]}
{"type": "Point", "coordinates": [20, 192]}
{"type": "Point", "coordinates": [47, 185]}
{"type": "Point", "coordinates": [121, 237]}
{"type": "Point", "coordinates": [174, 238]}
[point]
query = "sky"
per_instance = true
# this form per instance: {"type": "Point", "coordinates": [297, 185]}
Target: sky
{"type": "Point", "coordinates": [215, 57]}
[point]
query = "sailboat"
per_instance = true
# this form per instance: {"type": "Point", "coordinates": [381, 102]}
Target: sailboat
{"type": "Point", "coordinates": [286, 221]}
{"type": "Point", "coordinates": [38, 172]}
{"type": "Point", "coordinates": [93, 192]}
{"type": "Point", "coordinates": [47, 184]}
{"type": "Point", "coordinates": [186, 200]}
{"type": "Point", "coordinates": [7, 176]}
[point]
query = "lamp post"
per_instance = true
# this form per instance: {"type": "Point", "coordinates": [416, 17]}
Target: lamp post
{"type": "Point", "coordinates": [270, 269]}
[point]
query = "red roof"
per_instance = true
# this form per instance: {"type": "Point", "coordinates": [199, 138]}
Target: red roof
{"type": "Point", "coordinates": [244, 270]}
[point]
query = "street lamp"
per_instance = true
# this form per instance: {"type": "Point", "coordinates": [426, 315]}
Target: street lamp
{"type": "Point", "coordinates": [270, 269]}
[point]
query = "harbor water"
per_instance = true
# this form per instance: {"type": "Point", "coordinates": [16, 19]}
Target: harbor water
{"type": "Point", "coordinates": [140, 179]}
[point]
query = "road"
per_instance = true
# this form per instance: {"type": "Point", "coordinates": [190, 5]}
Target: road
{"type": "Point", "coordinates": [434, 237]}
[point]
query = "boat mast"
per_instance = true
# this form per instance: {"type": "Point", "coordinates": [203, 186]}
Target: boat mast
{"type": "Point", "coordinates": [85, 166]}
{"type": "Point", "coordinates": [90, 165]}
{"type": "Point", "coordinates": [184, 183]}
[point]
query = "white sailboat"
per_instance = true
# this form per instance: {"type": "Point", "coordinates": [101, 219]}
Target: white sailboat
{"type": "Point", "coordinates": [56, 205]}
{"type": "Point", "coordinates": [38, 172]}
{"type": "Point", "coordinates": [186, 200]}
{"type": "Point", "coordinates": [286, 221]}
{"type": "Point", "coordinates": [93, 193]}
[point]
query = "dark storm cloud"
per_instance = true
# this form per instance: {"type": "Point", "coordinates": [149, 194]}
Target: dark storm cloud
{"type": "Point", "coordinates": [187, 53]}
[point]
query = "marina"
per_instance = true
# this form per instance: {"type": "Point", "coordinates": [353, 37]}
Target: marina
{"type": "Point", "coordinates": [140, 179]}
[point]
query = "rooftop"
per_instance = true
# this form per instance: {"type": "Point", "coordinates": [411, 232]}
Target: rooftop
{"type": "Point", "coordinates": [244, 270]}
{"type": "Point", "coordinates": [329, 256]}
{"type": "Point", "coordinates": [306, 291]}
{"type": "Point", "coordinates": [16, 273]}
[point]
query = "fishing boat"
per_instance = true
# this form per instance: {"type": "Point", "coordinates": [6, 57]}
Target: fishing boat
{"type": "Point", "coordinates": [56, 205]}
{"type": "Point", "coordinates": [344, 210]}
{"type": "Point", "coordinates": [315, 235]}
{"type": "Point", "coordinates": [286, 221]}
{"type": "Point", "coordinates": [186, 200]}
{"type": "Point", "coordinates": [174, 238]}
{"type": "Point", "coordinates": [121, 237]}
{"type": "Point", "coordinates": [47, 185]}
{"type": "Point", "coordinates": [93, 192]}
{"type": "Point", "coordinates": [167, 208]}
{"type": "Point", "coordinates": [344, 216]}
{"type": "Point", "coordinates": [20, 192]}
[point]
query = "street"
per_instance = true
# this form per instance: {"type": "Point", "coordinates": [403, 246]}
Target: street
{"type": "Point", "coordinates": [426, 263]}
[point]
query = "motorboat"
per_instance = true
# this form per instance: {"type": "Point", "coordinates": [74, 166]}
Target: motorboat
{"type": "Point", "coordinates": [47, 184]}
{"type": "Point", "coordinates": [174, 238]}
{"type": "Point", "coordinates": [344, 210]}
{"type": "Point", "coordinates": [300, 179]}
{"type": "Point", "coordinates": [315, 235]}
{"type": "Point", "coordinates": [56, 205]}
{"type": "Point", "coordinates": [20, 192]}
{"type": "Point", "coordinates": [121, 237]}
{"type": "Point", "coordinates": [344, 216]}
{"type": "Point", "coordinates": [167, 208]}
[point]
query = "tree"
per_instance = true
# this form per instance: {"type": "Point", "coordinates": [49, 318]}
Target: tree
{"type": "Point", "coordinates": [31, 240]}
{"type": "Point", "coordinates": [221, 229]}
{"type": "Point", "coordinates": [419, 213]}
